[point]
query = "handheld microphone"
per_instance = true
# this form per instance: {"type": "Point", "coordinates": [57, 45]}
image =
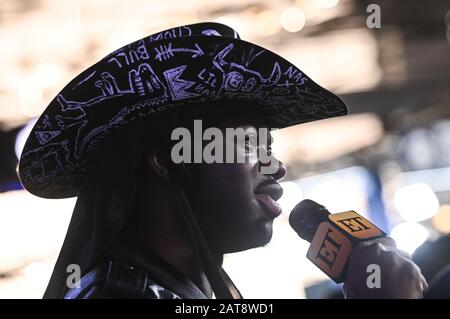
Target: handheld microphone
{"type": "Point", "coordinates": [332, 236]}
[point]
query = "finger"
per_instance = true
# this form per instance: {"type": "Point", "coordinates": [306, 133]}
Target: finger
{"type": "Point", "coordinates": [426, 286]}
{"type": "Point", "coordinates": [423, 280]}
{"type": "Point", "coordinates": [387, 241]}
{"type": "Point", "coordinates": [402, 253]}
{"type": "Point", "coordinates": [423, 287]}
{"type": "Point", "coordinates": [422, 284]}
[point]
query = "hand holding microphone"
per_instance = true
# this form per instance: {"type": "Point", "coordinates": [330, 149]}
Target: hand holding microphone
{"type": "Point", "coordinates": [346, 245]}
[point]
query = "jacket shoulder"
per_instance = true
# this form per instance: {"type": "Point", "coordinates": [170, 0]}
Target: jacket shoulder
{"type": "Point", "coordinates": [90, 285]}
{"type": "Point", "coordinates": [116, 279]}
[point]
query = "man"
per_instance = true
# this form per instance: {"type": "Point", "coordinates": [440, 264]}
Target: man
{"type": "Point", "coordinates": [147, 225]}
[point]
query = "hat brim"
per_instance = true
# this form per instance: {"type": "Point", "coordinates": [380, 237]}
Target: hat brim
{"type": "Point", "coordinates": [146, 77]}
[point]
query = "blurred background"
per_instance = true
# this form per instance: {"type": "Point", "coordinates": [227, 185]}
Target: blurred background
{"type": "Point", "coordinates": [389, 160]}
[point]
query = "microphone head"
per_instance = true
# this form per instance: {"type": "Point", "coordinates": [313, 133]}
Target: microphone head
{"type": "Point", "coordinates": [306, 217]}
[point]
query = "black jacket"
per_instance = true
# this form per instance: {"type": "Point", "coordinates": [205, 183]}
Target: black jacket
{"type": "Point", "coordinates": [151, 279]}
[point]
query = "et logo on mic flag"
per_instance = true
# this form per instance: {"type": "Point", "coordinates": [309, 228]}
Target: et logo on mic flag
{"type": "Point", "coordinates": [334, 239]}
{"type": "Point", "coordinates": [330, 250]}
{"type": "Point", "coordinates": [355, 225]}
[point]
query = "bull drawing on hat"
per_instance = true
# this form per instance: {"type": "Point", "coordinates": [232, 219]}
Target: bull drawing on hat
{"type": "Point", "coordinates": [230, 78]}
{"type": "Point", "coordinates": [239, 78]}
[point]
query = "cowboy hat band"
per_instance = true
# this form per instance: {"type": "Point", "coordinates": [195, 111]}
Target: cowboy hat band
{"type": "Point", "coordinates": [184, 66]}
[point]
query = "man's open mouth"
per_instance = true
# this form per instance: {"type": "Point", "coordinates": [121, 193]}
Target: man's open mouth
{"type": "Point", "coordinates": [268, 193]}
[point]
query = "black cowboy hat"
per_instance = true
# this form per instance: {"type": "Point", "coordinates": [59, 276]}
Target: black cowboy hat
{"type": "Point", "coordinates": [183, 66]}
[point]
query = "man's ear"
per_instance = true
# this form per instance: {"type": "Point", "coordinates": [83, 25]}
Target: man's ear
{"type": "Point", "coordinates": [158, 163]}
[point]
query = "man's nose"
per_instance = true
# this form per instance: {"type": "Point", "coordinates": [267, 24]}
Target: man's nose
{"type": "Point", "coordinates": [281, 172]}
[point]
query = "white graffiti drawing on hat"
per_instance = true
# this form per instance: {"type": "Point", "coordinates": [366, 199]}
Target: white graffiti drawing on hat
{"type": "Point", "coordinates": [225, 73]}
{"type": "Point", "coordinates": [165, 52]}
{"type": "Point", "coordinates": [126, 57]}
{"type": "Point", "coordinates": [44, 130]}
{"type": "Point", "coordinates": [52, 161]}
{"type": "Point", "coordinates": [108, 87]}
{"type": "Point", "coordinates": [178, 87]}
{"type": "Point", "coordinates": [178, 32]}
{"type": "Point", "coordinates": [145, 82]}
{"type": "Point", "coordinates": [211, 32]}
{"type": "Point", "coordinates": [208, 86]}
{"type": "Point", "coordinates": [44, 137]}
{"type": "Point", "coordinates": [142, 81]}
{"type": "Point", "coordinates": [238, 77]}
